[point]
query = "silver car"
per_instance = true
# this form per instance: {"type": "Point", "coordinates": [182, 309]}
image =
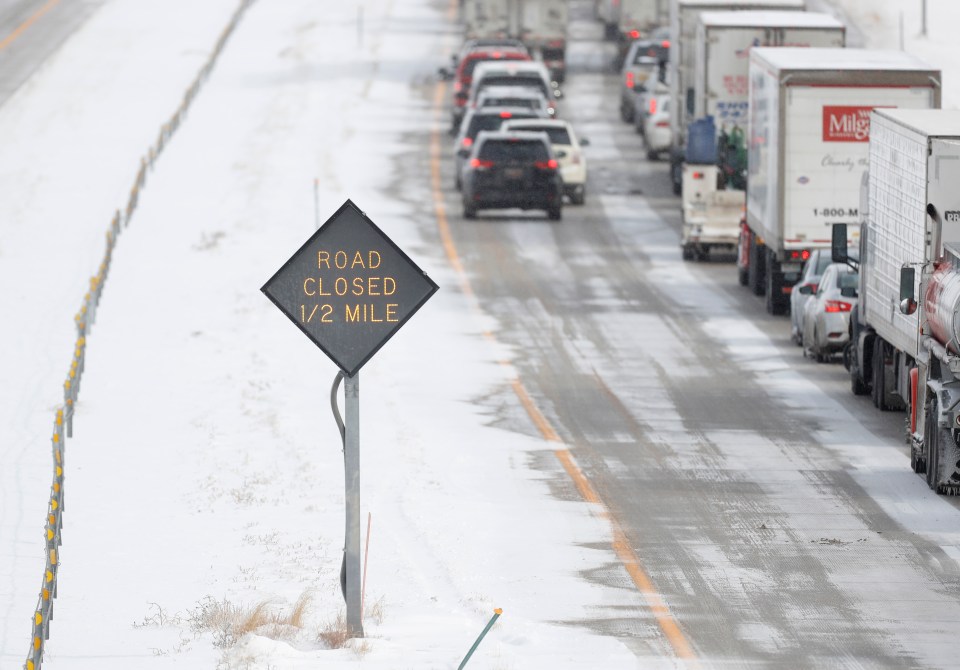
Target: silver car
{"type": "Point", "coordinates": [810, 278]}
{"type": "Point", "coordinates": [826, 315]}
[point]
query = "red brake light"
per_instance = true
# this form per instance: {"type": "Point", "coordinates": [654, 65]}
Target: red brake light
{"type": "Point", "coordinates": [800, 254]}
{"type": "Point", "coordinates": [629, 81]}
{"type": "Point", "coordinates": [665, 44]}
{"type": "Point", "coordinates": [477, 163]}
{"type": "Point", "coordinates": [698, 175]}
{"type": "Point", "coordinates": [506, 115]}
{"type": "Point", "coordinates": [653, 106]}
{"type": "Point", "coordinates": [805, 254]}
{"type": "Point", "coordinates": [497, 54]}
{"type": "Point", "coordinates": [467, 141]}
{"type": "Point", "coordinates": [634, 34]}
{"type": "Point", "coordinates": [831, 306]}
{"type": "Point", "coordinates": [547, 165]}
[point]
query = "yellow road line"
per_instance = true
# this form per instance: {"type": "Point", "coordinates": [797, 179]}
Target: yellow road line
{"type": "Point", "coordinates": [9, 39]}
{"type": "Point", "coordinates": [621, 546]}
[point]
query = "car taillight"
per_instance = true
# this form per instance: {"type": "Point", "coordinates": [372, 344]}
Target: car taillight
{"type": "Point", "coordinates": [634, 34]}
{"type": "Point", "coordinates": [546, 165]}
{"type": "Point", "coordinates": [698, 175]}
{"type": "Point", "coordinates": [663, 124]}
{"type": "Point", "coordinates": [506, 115]}
{"type": "Point", "coordinates": [799, 255]}
{"type": "Point", "coordinates": [480, 164]}
{"type": "Point", "coordinates": [467, 141]}
{"type": "Point", "coordinates": [665, 44]}
{"type": "Point", "coordinates": [629, 81]}
{"type": "Point", "coordinates": [833, 306]}
{"type": "Point", "coordinates": [653, 106]}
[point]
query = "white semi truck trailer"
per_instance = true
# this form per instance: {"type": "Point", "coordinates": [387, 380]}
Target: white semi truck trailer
{"type": "Point", "coordinates": [714, 186]}
{"type": "Point", "coordinates": [809, 126]}
{"type": "Point", "coordinates": [905, 344]}
{"type": "Point", "coordinates": [540, 24]}
{"type": "Point", "coordinates": [683, 39]}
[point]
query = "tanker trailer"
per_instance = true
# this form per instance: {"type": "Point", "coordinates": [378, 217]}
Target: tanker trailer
{"type": "Point", "coordinates": [905, 351]}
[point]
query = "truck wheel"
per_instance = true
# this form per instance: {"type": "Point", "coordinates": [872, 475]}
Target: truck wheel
{"type": "Point", "coordinates": [931, 441]}
{"type": "Point", "coordinates": [774, 282]}
{"type": "Point", "coordinates": [743, 276]}
{"type": "Point", "coordinates": [755, 268]}
{"type": "Point", "coordinates": [857, 385]}
{"type": "Point", "coordinates": [676, 176]}
{"type": "Point", "coordinates": [877, 381]}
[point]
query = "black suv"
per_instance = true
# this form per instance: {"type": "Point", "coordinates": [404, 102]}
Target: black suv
{"type": "Point", "coordinates": [512, 169]}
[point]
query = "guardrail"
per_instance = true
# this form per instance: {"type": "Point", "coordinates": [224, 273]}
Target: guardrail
{"type": "Point", "coordinates": [63, 421]}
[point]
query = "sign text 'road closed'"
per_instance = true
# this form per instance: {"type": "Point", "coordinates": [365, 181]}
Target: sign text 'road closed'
{"type": "Point", "coordinates": [349, 288]}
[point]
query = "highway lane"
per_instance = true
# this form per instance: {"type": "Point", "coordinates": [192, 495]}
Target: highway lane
{"type": "Point", "coordinates": [775, 512]}
{"type": "Point", "coordinates": [31, 30]}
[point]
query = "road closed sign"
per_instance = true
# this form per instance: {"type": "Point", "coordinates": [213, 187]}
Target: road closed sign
{"type": "Point", "coordinates": [349, 288]}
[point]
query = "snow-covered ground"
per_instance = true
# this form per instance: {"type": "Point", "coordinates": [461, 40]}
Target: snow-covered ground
{"type": "Point", "coordinates": [205, 477]}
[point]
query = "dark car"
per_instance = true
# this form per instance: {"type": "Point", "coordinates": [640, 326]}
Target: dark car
{"type": "Point", "coordinates": [509, 169]}
{"type": "Point", "coordinates": [476, 120]}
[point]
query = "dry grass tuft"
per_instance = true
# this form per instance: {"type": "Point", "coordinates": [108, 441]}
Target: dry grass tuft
{"type": "Point", "coordinates": [335, 634]}
{"type": "Point", "coordinates": [229, 622]}
{"type": "Point", "coordinates": [295, 618]}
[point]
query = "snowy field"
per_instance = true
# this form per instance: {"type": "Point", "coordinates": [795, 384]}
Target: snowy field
{"type": "Point", "coordinates": [205, 477]}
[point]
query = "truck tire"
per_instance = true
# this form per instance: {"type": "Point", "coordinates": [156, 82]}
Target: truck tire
{"type": "Point", "coordinates": [883, 401]}
{"type": "Point", "coordinates": [857, 385]}
{"type": "Point", "coordinates": [931, 442]}
{"type": "Point", "coordinates": [776, 305]}
{"type": "Point", "coordinates": [676, 176]}
{"type": "Point", "coordinates": [755, 277]}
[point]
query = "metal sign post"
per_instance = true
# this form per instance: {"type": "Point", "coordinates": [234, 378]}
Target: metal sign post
{"type": "Point", "coordinates": [349, 288]}
{"type": "Point", "coordinates": [351, 467]}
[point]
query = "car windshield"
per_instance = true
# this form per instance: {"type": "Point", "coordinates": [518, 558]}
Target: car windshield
{"type": "Point", "coordinates": [471, 63]}
{"type": "Point", "coordinates": [491, 122]}
{"type": "Point", "coordinates": [532, 103]}
{"type": "Point", "coordinates": [847, 280]}
{"type": "Point", "coordinates": [516, 150]}
{"type": "Point", "coordinates": [823, 262]}
{"type": "Point", "coordinates": [644, 55]}
{"type": "Point", "coordinates": [532, 81]}
{"type": "Point", "coordinates": [556, 135]}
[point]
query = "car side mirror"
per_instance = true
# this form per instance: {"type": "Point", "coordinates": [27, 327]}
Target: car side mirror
{"type": "Point", "coordinates": [806, 289]}
{"type": "Point", "coordinates": [908, 302]}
